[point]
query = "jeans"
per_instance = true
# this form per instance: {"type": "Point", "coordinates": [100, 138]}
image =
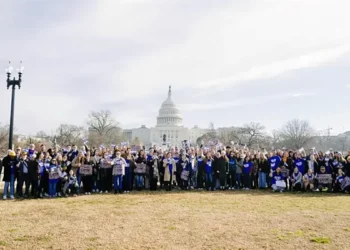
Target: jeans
{"type": "Point", "coordinates": [139, 181]}
{"type": "Point", "coordinates": [127, 180]}
{"type": "Point", "coordinates": [238, 180]}
{"type": "Point", "coordinates": [11, 183]}
{"type": "Point", "coordinates": [193, 179]}
{"type": "Point", "coordinates": [208, 180]}
{"type": "Point", "coordinates": [52, 188]}
{"type": "Point", "coordinates": [262, 180]}
{"type": "Point", "coordinates": [118, 183]}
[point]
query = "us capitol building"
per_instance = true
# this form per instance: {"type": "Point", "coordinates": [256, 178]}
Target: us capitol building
{"type": "Point", "coordinates": [169, 129]}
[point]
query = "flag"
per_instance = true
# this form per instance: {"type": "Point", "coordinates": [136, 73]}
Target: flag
{"type": "Point", "coordinates": [85, 141]}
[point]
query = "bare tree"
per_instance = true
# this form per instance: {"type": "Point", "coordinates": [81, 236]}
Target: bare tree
{"type": "Point", "coordinates": [67, 134]}
{"type": "Point", "coordinates": [296, 133]}
{"type": "Point", "coordinates": [253, 133]}
{"type": "Point", "coordinates": [102, 128]}
{"type": "Point", "coordinates": [4, 135]}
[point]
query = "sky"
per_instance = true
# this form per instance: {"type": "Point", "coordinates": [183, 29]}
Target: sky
{"type": "Point", "coordinates": [228, 62]}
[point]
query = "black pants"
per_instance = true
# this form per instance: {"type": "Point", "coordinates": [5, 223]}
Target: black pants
{"type": "Point", "coordinates": [255, 178]}
{"type": "Point", "coordinates": [23, 179]}
{"type": "Point", "coordinates": [87, 183]}
{"type": "Point", "coordinates": [34, 188]}
{"type": "Point", "coordinates": [200, 179]}
{"type": "Point", "coordinates": [297, 187]}
{"type": "Point", "coordinates": [246, 180]}
{"type": "Point", "coordinates": [167, 184]}
{"type": "Point", "coordinates": [153, 184]}
{"type": "Point", "coordinates": [231, 178]}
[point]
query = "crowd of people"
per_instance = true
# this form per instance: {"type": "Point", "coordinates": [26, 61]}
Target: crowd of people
{"type": "Point", "coordinates": [40, 173]}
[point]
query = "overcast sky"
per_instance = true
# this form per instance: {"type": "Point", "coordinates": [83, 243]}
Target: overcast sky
{"type": "Point", "coordinates": [229, 62]}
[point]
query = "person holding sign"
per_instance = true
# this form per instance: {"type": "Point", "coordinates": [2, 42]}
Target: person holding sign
{"type": "Point", "coordinates": [278, 183]}
{"type": "Point", "coordinates": [76, 164]}
{"type": "Point", "coordinates": [86, 173]}
{"type": "Point", "coordinates": [140, 170]}
{"type": "Point", "coordinates": [324, 180]}
{"type": "Point", "coordinates": [118, 172]}
{"type": "Point", "coordinates": [54, 175]}
{"type": "Point", "coordinates": [169, 165]}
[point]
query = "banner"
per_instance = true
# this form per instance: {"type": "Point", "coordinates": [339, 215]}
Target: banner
{"type": "Point", "coordinates": [285, 172]}
{"type": "Point", "coordinates": [184, 175]}
{"type": "Point", "coordinates": [86, 170]}
{"type": "Point", "coordinates": [324, 179]}
{"type": "Point", "coordinates": [54, 173]}
{"type": "Point", "coordinates": [140, 168]}
{"type": "Point", "coordinates": [117, 169]}
{"type": "Point", "coordinates": [105, 164]}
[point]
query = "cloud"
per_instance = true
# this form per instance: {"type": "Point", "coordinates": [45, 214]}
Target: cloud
{"type": "Point", "coordinates": [240, 102]}
{"type": "Point", "coordinates": [310, 60]}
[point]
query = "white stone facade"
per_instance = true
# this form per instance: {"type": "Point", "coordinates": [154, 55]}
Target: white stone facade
{"type": "Point", "coordinates": [169, 127]}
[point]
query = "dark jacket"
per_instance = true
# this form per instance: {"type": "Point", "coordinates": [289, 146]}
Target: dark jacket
{"type": "Point", "coordinates": [33, 170]}
{"type": "Point", "coordinates": [264, 166]}
{"type": "Point", "coordinates": [222, 167]}
{"type": "Point", "coordinates": [22, 165]}
{"type": "Point", "coordinates": [9, 163]}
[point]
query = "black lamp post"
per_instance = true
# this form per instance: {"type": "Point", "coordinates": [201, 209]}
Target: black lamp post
{"type": "Point", "coordinates": [12, 83]}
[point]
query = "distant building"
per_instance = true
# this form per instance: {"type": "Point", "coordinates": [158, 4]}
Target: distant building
{"type": "Point", "coordinates": [168, 130]}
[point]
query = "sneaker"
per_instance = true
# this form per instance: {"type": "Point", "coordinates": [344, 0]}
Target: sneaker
{"type": "Point", "coordinates": [101, 192]}
{"type": "Point", "coordinates": [128, 191]}
{"type": "Point", "coordinates": [89, 193]}
{"type": "Point", "coordinates": [59, 194]}
{"type": "Point", "coordinates": [233, 188]}
{"type": "Point", "coordinates": [46, 195]}
{"type": "Point", "coordinates": [124, 192]}
{"type": "Point", "coordinates": [74, 195]}
{"type": "Point", "coordinates": [247, 189]}
{"type": "Point", "coordinates": [41, 195]}
{"type": "Point", "coordinates": [86, 193]}
{"type": "Point", "coordinates": [281, 191]}
{"type": "Point", "coordinates": [317, 190]}
{"type": "Point", "coordinates": [93, 191]}
{"type": "Point", "coordinates": [97, 190]}
{"type": "Point", "coordinates": [4, 197]}
{"type": "Point", "coordinates": [106, 192]}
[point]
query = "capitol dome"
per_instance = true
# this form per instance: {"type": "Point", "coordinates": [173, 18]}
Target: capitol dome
{"type": "Point", "coordinates": [169, 114]}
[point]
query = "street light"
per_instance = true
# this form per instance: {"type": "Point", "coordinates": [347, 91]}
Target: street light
{"type": "Point", "coordinates": [13, 83]}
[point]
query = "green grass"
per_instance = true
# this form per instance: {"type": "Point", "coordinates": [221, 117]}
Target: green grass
{"type": "Point", "coordinates": [321, 240]}
{"type": "Point", "coordinates": [3, 243]}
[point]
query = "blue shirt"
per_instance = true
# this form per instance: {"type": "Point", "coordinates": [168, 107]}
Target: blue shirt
{"type": "Point", "coordinates": [208, 168]}
{"type": "Point", "coordinates": [276, 177]}
{"type": "Point", "coordinates": [300, 164]}
{"type": "Point", "coordinates": [247, 167]}
{"type": "Point", "coordinates": [274, 162]}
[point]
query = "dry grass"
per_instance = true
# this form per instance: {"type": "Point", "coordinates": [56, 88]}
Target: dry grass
{"type": "Point", "coordinates": [196, 220]}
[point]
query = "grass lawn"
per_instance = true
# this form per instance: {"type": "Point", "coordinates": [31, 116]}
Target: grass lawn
{"type": "Point", "coordinates": [186, 220]}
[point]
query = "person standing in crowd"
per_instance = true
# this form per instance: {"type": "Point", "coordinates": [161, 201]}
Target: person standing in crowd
{"type": "Point", "coordinates": [193, 169]}
{"type": "Point", "coordinates": [104, 164]}
{"type": "Point", "coordinates": [34, 174]}
{"type": "Point", "coordinates": [264, 170]}
{"type": "Point", "coordinates": [129, 169]}
{"type": "Point", "coordinates": [239, 168]}
{"type": "Point", "coordinates": [255, 172]}
{"type": "Point", "coordinates": [118, 165]}
{"type": "Point", "coordinates": [154, 170]}
{"type": "Point", "coordinates": [139, 177]}
{"type": "Point", "coordinates": [223, 169]}
{"type": "Point", "coordinates": [200, 169]}
{"type": "Point", "coordinates": [169, 165]}
{"type": "Point", "coordinates": [87, 179]}
{"type": "Point", "coordinates": [247, 172]}
{"type": "Point", "coordinates": [23, 174]}
{"type": "Point", "coordinates": [9, 163]}
{"type": "Point", "coordinates": [313, 164]}
{"type": "Point", "coordinates": [76, 164]}
{"type": "Point", "coordinates": [209, 172]}
{"type": "Point", "coordinates": [232, 166]}
{"type": "Point", "coordinates": [53, 179]}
